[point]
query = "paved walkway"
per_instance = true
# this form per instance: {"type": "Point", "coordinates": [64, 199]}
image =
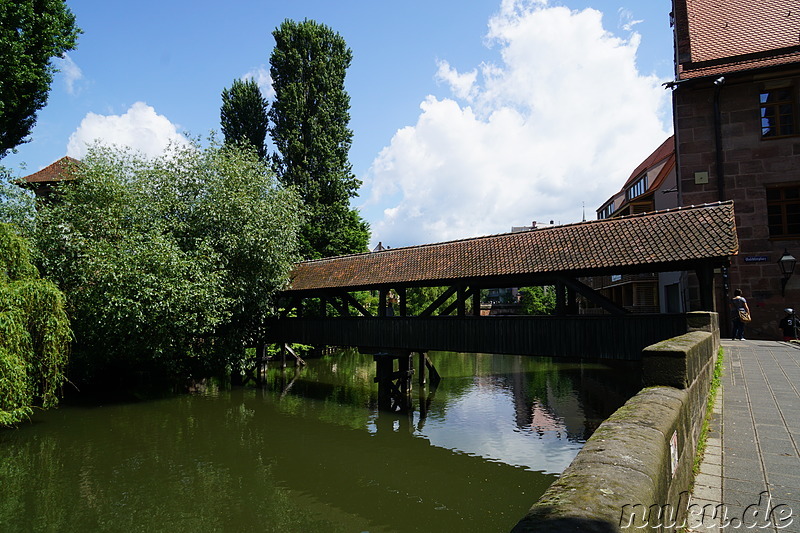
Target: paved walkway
{"type": "Point", "coordinates": [753, 451]}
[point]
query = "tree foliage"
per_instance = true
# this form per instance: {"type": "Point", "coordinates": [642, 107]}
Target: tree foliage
{"type": "Point", "coordinates": [31, 33]}
{"type": "Point", "coordinates": [17, 205]}
{"type": "Point", "coordinates": [34, 333]}
{"type": "Point", "coordinates": [243, 115]}
{"type": "Point", "coordinates": [168, 264]}
{"type": "Point", "coordinates": [310, 118]}
{"type": "Point", "coordinates": [538, 300]}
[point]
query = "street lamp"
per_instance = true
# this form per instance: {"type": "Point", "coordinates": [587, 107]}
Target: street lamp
{"type": "Point", "coordinates": [787, 263]}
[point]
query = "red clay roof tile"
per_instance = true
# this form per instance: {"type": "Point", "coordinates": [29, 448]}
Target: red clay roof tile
{"type": "Point", "coordinates": [58, 171]}
{"type": "Point", "coordinates": [716, 37]}
{"type": "Point", "coordinates": [649, 242]}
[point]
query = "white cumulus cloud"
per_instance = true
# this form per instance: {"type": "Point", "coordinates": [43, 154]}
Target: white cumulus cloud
{"type": "Point", "coordinates": [560, 121]}
{"type": "Point", "coordinates": [140, 128]}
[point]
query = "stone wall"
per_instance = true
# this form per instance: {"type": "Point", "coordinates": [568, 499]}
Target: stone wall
{"type": "Point", "coordinates": [636, 469]}
{"type": "Point", "coordinates": [750, 164]}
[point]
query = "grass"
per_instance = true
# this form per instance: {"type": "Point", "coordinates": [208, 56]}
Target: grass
{"type": "Point", "coordinates": [712, 396]}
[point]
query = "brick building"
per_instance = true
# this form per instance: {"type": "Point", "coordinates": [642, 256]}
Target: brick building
{"type": "Point", "coordinates": [737, 137]}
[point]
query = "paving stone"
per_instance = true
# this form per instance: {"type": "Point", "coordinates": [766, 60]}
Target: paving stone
{"type": "Point", "coordinates": [708, 480]}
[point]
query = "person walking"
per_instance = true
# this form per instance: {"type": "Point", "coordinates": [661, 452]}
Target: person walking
{"type": "Point", "coordinates": [741, 314]}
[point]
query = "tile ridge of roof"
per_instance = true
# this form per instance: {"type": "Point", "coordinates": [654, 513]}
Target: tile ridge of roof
{"type": "Point", "coordinates": [432, 244]}
{"type": "Point", "coordinates": [671, 210]}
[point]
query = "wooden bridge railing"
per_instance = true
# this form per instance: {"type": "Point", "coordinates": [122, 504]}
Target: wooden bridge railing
{"type": "Point", "coordinates": [595, 337]}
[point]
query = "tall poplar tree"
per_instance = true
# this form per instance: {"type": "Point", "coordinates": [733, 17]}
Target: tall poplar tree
{"type": "Point", "coordinates": [310, 128]}
{"type": "Point", "coordinates": [31, 33]}
{"type": "Point", "coordinates": [243, 115]}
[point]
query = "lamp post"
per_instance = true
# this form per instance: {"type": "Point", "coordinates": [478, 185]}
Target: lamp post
{"type": "Point", "coordinates": [787, 263]}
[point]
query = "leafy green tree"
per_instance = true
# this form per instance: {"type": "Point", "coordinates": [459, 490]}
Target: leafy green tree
{"type": "Point", "coordinates": [34, 332]}
{"type": "Point", "coordinates": [31, 33]}
{"type": "Point", "coordinates": [243, 115]}
{"type": "Point", "coordinates": [168, 264]}
{"type": "Point", "coordinates": [17, 205]}
{"type": "Point", "coordinates": [538, 300]}
{"type": "Point", "coordinates": [310, 117]}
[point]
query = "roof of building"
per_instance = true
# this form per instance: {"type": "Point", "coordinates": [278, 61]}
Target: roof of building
{"type": "Point", "coordinates": [714, 38]}
{"type": "Point", "coordinates": [665, 153]}
{"type": "Point", "coordinates": [661, 153]}
{"type": "Point", "coordinates": [675, 239]}
{"type": "Point", "coordinates": [59, 171]}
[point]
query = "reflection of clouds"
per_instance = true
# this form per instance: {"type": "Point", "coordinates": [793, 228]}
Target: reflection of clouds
{"type": "Point", "coordinates": [482, 422]}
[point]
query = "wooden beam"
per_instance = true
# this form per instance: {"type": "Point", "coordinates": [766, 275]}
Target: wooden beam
{"type": "Point", "coordinates": [463, 295]}
{"type": "Point", "coordinates": [591, 294]}
{"type": "Point", "coordinates": [439, 301]}
{"type": "Point", "coordinates": [348, 298]}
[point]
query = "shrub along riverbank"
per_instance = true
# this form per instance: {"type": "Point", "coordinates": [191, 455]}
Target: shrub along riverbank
{"type": "Point", "coordinates": [167, 265]}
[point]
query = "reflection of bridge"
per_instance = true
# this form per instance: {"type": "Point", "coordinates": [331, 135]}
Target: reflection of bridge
{"type": "Point", "coordinates": [697, 239]}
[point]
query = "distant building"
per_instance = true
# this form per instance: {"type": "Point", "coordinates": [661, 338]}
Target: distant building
{"type": "Point", "coordinates": [652, 186]}
{"type": "Point", "coordinates": [42, 182]}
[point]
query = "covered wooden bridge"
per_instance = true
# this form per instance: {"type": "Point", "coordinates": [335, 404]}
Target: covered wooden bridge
{"type": "Point", "coordinates": [697, 238]}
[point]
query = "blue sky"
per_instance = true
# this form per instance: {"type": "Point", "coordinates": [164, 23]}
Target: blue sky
{"type": "Point", "coordinates": [468, 117]}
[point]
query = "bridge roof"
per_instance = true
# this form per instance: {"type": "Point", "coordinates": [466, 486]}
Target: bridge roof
{"type": "Point", "coordinates": [675, 239]}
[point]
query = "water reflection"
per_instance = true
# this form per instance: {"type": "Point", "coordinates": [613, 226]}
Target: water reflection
{"type": "Point", "coordinates": [311, 452]}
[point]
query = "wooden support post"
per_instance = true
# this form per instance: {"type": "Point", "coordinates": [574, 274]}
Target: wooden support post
{"type": "Point", "coordinates": [572, 301]}
{"type": "Point", "coordinates": [406, 370]}
{"type": "Point", "coordinates": [476, 301]}
{"type": "Point", "coordinates": [401, 293]}
{"type": "Point", "coordinates": [422, 357]}
{"type": "Point", "coordinates": [261, 362]}
{"type": "Point", "coordinates": [705, 278]}
{"type": "Point", "coordinates": [462, 300]}
{"type": "Point", "coordinates": [383, 372]}
{"type": "Point", "coordinates": [394, 387]}
{"type": "Point", "coordinates": [560, 303]}
{"type": "Point", "coordinates": [382, 296]}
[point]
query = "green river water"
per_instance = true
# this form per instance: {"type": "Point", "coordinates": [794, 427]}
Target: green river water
{"type": "Point", "coordinates": [310, 452]}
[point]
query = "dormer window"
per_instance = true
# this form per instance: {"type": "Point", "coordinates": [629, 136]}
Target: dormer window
{"type": "Point", "coordinates": [606, 212]}
{"type": "Point", "coordinates": [638, 188]}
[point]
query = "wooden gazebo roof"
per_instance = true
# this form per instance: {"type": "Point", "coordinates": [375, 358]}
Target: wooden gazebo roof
{"type": "Point", "coordinates": [676, 239]}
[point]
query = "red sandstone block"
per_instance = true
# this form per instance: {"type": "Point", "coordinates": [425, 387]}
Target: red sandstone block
{"type": "Point", "coordinates": [751, 166]}
{"type": "Point", "coordinates": [739, 154]}
{"type": "Point", "coordinates": [696, 147]}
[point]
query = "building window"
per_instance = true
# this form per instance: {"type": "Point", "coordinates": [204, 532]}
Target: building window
{"type": "Point", "coordinates": [607, 211]}
{"type": "Point", "coordinates": [783, 211]}
{"type": "Point", "coordinates": [777, 112]}
{"type": "Point", "coordinates": [637, 189]}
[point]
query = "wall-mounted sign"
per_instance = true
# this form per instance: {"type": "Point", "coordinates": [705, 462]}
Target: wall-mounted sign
{"type": "Point", "coordinates": [756, 259]}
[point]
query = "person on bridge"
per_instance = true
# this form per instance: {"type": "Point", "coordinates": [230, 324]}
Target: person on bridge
{"type": "Point", "coordinates": [741, 314]}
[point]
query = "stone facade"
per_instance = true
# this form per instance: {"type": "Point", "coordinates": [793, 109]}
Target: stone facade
{"type": "Point", "coordinates": [750, 165]}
